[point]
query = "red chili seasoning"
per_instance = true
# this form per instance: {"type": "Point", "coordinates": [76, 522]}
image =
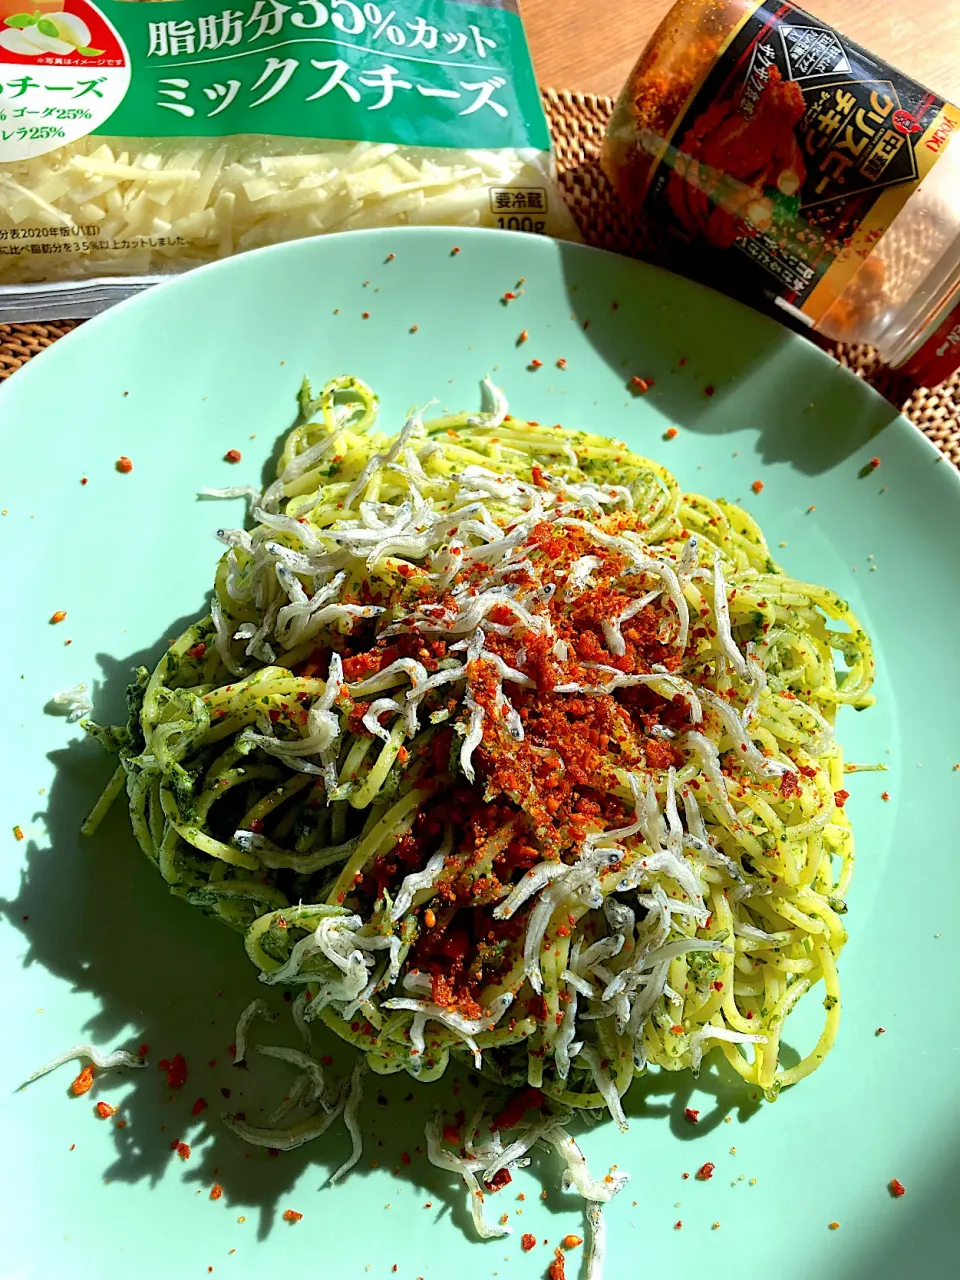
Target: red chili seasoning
{"type": "Point", "coordinates": [391, 256]}
{"type": "Point", "coordinates": [640, 386]}
{"type": "Point", "coordinates": [840, 798]}
{"type": "Point", "coordinates": [183, 1150]}
{"type": "Point", "coordinates": [366, 315]}
{"type": "Point", "coordinates": [684, 1176]}
{"type": "Point", "coordinates": [197, 651]}
{"type": "Point", "coordinates": [709, 391]}
{"type": "Point", "coordinates": [571, 1242]}
{"type": "Point", "coordinates": [232, 455]}
{"type": "Point", "coordinates": [509, 296]}
{"type": "Point", "coordinates": [176, 1069]}
{"type": "Point", "coordinates": [561, 363]}
{"type": "Point", "coordinates": [880, 1031]}
{"type": "Point", "coordinates": [105, 1111]}
{"type": "Point", "coordinates": [536, 364]}
{"type": "Point", "coordinates": [528, 1242]}
{"type": "Point", "coordinates": [84, 1081]}
{"type": "Point", "coordinates": [884, 795]}
{"type": "Point", "coordinates": [705, 1172]}
{"type": "Point", "coordinates": [58, 616]}
{"type": "Point", "coordinates": [291, 1215]}
{"type": "Point", "coordinates": [124, 465]}
{"type": "Point", "coordinates": [216, 1191]}
{"type": "Point", "coordinates": [678, 1225]}
{"type": "Point", "coordinates": [897, 1189]}
{"type": "Point", "coordinates": [83, 480]}
{"type": "Point", "coordinates": [18, 835]}
{"type": "Point", "coordinates": [558, 1268]}
{"type": "Point", "coordinates": [671, 433]}
{"type": "Point", "coordinates": [757, 486]}
{"type": "Point", "coordinates": [454, 251]}
{"type": "Point", "coordinates": [201, 1104]}
{"type": "Point", "coordinates": [414, 328]}
{"type": "Point", "coordinates": [834, 1226]}
{"type": "Point", "coordinates": [524, 335]}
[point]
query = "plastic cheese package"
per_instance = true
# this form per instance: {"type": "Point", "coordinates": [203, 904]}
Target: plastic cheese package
{"type": "Point", "coordinates": [139, 140]}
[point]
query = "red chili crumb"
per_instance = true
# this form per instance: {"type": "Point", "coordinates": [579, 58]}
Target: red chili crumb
{"type": "Point", "coordinates": [273, 1152]}
{"type": "Point", "coordinates": [811, 508]}
{"type": "Point", "coordinates": [201, 1104]}
{"type": "Point", "coordinates": [834, 1226]}
{"type": "Point", "coordinates": [121, 1124]}
{"type": "Point", "coordinates": [557, 1269]}
{"type": "Point", "coordinates": [524, 335]}
{"type": "Point", "coordinates": [83, 480]}
{"type": "Point", "coordinates": [176, 1069]}
{"type": "Point", "coordinates": [414, 328]}
{"type": "Point", "coordinates": [536, 364]}
{"type": "Point", "coordinates": [105, 1111]}
{"type": "Point", "coordinates": [671, 433]}
{"type": "Point", "coordinates": [216, 1191]}
{"type": "Point", "coordinates": [197, 651]}
{"type": "Point", "coordinates": [640, 386]}
{"type": "Point", "coordinates": [366, 315]}
{"type": "Point", "coordinates": [692, 1115]}
{"type": "Point", "coordinates": [561, 363]}
{"type": "Point", "coordinates": [757, 486]}
{"type": "Point", "coordinates": [874, 463]}
{"type": "Point", "coordinates": [291, 1215]}
{"type": "Point", "coordinates": [123, 464]}
{"type": "Point", "coordinates": [684, 1176]}
{"type": "Point", "coordinates": [678, 1225]}
{"type": "Point", "coordinates": [73, 1146]}
{"type": "Point", "coordinates": [709, 391]}
{"type": "Point", "coordinates": [454, 251]}
{"type": "Point", "coordinates": [18, 835]}
{"type": "Point", "coordinates": [897, 1189]}
{"type": "Point", "coordinates": [58, 616]}
{"type": "Point", "coordinates": [705, 1172]}
{"type": "Point", "coordinates": [391, 257]}
{"type": "Point", "coordinates": [528, 1242]}
{"type": "Point", "coordinates": [884, 795]}
{"type": "Point", "coordinates": [84, 1081]}
{"type": "Point", "coordinates": [232, 455]}
{"type": "Point", "coordinates": [840, 798]}
{"type": "Point", "coordinates": [509, 296]}
{"type": "Point", "coordinates": [183, 1150]}
{"type": "Point", "coordinates": [571, 1242]}
{"type": "Point", "coordinates": [676, 1029]}
{"type": "Point", "coordinates": [405, 1157]}
{"type": "Point", "coordinates": [880, 1031]}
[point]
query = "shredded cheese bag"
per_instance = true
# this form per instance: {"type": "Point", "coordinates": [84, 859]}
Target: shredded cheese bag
{"type": "Point", "coordinates": [139, 140]}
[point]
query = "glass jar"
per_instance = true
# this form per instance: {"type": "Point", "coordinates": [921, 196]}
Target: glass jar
{"type": "Point", "coordinates": [772, 157]}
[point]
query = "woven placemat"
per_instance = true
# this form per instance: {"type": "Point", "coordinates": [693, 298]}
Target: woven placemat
{"type": "Point", "coordinates": [577, 122]}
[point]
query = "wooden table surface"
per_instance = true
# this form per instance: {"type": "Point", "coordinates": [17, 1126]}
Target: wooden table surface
{"type": "Point", "coordinates": [591, 44]}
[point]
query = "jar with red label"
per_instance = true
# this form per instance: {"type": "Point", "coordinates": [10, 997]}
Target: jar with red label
{"type": "Point", "coordinates": [780, 161]}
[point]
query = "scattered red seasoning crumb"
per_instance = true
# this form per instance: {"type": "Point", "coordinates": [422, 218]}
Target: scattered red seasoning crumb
{"type": "Point", "coordinates": [121, 1124]}
{"type": "Point", "coordinates": [678, 1225]}
{"type": "Point", "coordinates": [705, 1172]}
{"type": "Point", "coordinates": [571, 1242]}
{"type": "Point", "coordinates": [640, 386]}
{"type": "Point", "coordinates": [232, 455]}
{"type": "Point", "coordinates": [183, 1150]}
{"type": "Point", "coordinates": [509, 296]}
{"type": "Point", "coordinates": [197, 651]}
{"type": "Point", "coordinates": [524, 335]}
{"type": "Point", "coordinates": [176, 1069]}
{"type": "Point", "coordinates": [528, 1242]}
{"type": "Point", "coordinates": [201, 1104]}
{"type": "Point", "coordinates": [676, 1029]}
{"type": "Point", "coordinates": [105, 1111]}
{"type": "Point", "coordinates": [84, 1081]}
{"type": "Point", "coordinates": [216, 1191]}
{"type": "Point", "coordinates": [273, 1153]}
{"type": "Point", "coordinates": [83, 480]}
{"type": "Point", "coordinates": [143, 1050]}
{"type": "Point", "coordinates": [124, 465]}
{"type": "Point", "coordinates": [811, 508]}
{"type": "Point", "coordinates": [18, 835]}
{"type": "Point", "coordinates": [58, 616]}
{"type": "Point", "coordinates": [291, 1215]}
{"type": "Point", "coordinates": [684, 1176]}
{"type": "Point", "coordinates": [840, 798]}
{"type": "Point", "coordinates": [73, 1146]}
{"type": "Point", "coordinates": [897, 1189]}
{"type": "Point", "coordinates": [536, 364]}
{"type": "Point", "coordinates": [834, 1226]}
{"type": "Point", "coordinates": [454, 251]}
{"type": "Point", "coordinates": [391, 257]}
{"type": "Point", "coordinates": [757, 486]}
{"type": "Point", "coordinates": [671, 433]}
{"type": "Point", "coordinates": [558, 1267]}
{"type": "Point", "coordinates": [884, 795]}
{"type": "Point", "coordinates": [709, 391]}
{"type": "Point", "coordinates": [414, 328]}
{"type": "Point", "coordinates": [405, 1157]}
{"type": "Point", "coordinates": [880, 1031]}
{"type": "Point", "coordinates": [366, 315]}
{"type": "Point", "coordinates": [562, 363]}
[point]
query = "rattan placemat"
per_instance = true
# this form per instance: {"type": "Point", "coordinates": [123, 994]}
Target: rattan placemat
{"type": "Point", "coordinates": [577, 121]}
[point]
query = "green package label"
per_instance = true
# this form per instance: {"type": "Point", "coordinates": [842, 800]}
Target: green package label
{"type": "Point", "coordinates": [425, 72]}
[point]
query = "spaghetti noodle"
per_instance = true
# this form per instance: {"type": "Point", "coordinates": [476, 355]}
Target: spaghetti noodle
{"type": "Point", "coordinates": [497, 744]}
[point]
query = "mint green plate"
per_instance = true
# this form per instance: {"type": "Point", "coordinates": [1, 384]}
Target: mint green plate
{"type": "Point", "coordinates": [93, 948]}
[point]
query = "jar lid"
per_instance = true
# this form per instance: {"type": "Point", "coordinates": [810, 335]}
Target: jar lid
{"type": "Point", "coordinates": [939, 357]}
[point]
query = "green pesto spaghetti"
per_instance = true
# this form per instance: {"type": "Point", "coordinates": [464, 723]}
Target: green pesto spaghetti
{"type": "Point", "coordinates": [498, 746]}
